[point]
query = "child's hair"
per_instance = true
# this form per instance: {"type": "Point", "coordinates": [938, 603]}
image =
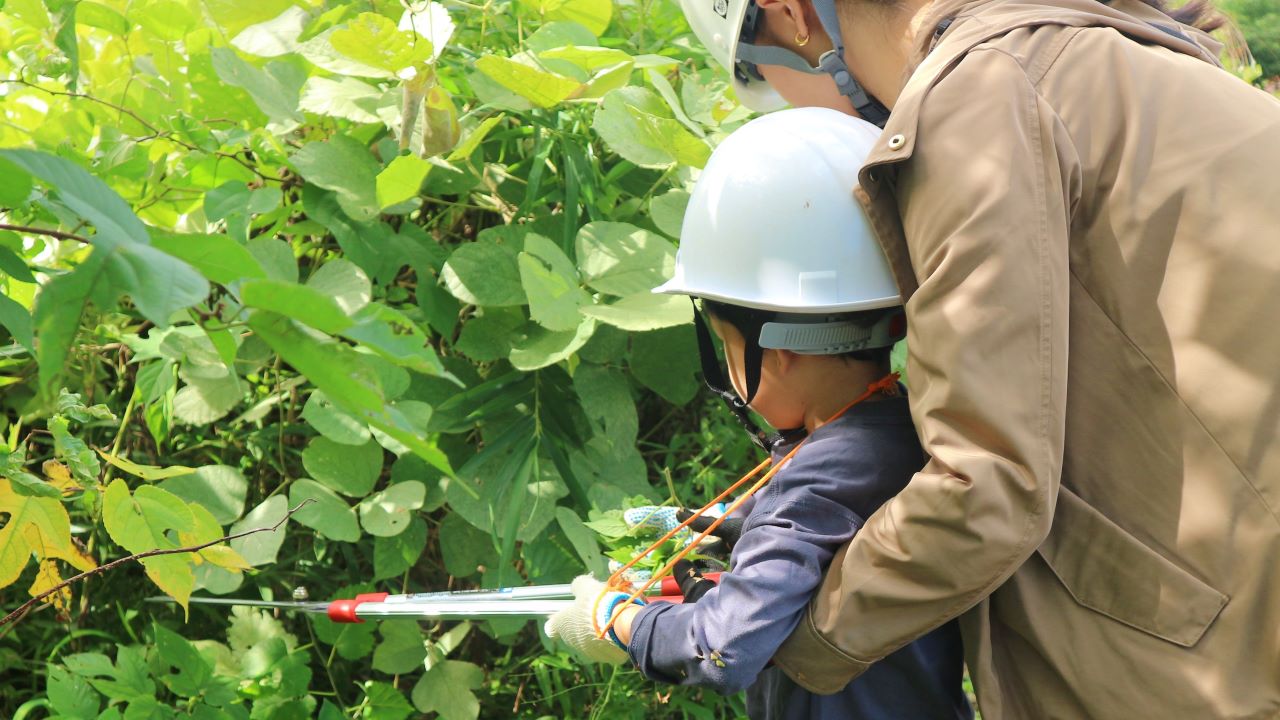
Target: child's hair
{"type": "Point", "coordinates": [749, 321]}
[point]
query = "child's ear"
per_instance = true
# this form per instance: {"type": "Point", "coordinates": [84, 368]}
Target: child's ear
{"type": "Point", "coordinates": [785, 360]}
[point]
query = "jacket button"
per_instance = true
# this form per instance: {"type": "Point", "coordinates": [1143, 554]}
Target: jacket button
{"type": "Point", "coordinates": [897, 141]}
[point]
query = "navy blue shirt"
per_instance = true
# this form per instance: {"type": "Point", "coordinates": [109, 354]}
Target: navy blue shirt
{"type": "Point", "coordinates": [796, 523]}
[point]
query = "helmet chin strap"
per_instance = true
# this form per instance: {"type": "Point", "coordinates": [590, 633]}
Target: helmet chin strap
{"type": "Point", "coordinates": [831, 62]}
{"type": "Point", "coordinates": [715, 381]}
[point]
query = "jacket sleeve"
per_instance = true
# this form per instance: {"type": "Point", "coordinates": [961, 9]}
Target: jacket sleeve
{"type": "Point", "coordinates": [985, 202]}
{"type": "Point", "coordinates": [725, 639]}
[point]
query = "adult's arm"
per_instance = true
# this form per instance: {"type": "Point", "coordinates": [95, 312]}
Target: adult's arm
{"type": "Point", "coordinates": [985, 202]}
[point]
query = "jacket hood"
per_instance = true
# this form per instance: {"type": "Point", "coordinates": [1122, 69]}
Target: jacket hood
{"type": "Point", "coordinates": [1132, 18]}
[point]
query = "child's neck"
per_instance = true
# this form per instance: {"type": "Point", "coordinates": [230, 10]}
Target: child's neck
{"type": "Point", "coordinates": [842, 383]}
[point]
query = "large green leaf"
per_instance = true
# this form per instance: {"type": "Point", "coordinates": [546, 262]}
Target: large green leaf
{"type": "Point", "coordinates": [543, 89]}
{"type": "Point", "coordinates": [17, 320]}
{"type": "Point", "coordinates": [275, 98]}
{"type": "Point", "coordinates": [332, 366]}
{"type": "Point", "coordinates": [343, 165]}
{"type": "Point", "coordinates": [447, 689]}
{"type": "Point", "coordinates": [538, 347]}
{"type": "Point", "coordinates": [15, 184]}
{"type": "Point", "coordinates": [639, 126]}
{"type": "Point", "coordinates": [343, 281]}
{"type": "Point", "coordinates": [621, 259]}
{"type": "Point", "coordinates": [387, 513]}
{"type": "Point", "coordinates": [299, 302]}
{"type": "Point", "coordinates": [217, 257]}
{"type": "Point", "coordinates": [346, 98]}
{"type": "Point", "coordinates": [551, 284]}
{"type": "Point", "coordinates": [484, 273]}
{"type": "Point", "coordinates": [666, 362]}
{"type": "Point", "coordinates": [220, 489]}
{"type": "Point", "coordinates": [394, 336]}
{"type": "Point", "coordinates": [351, 470]}
{"type": "Point", "coordinates": [326, 512]}
{"type": "Point", "coordinates": [394, 555]}
{"type": "Point", "coordinates": [644, 312]}
{"type": "Point", "coordinates": [333, 422]}
{"type": "Point", "coordinates": [261, 548]}
{"type": "Point", "coordinates": [85, 195]}
{"type": "Point", "coordinates": [375, 41]}
{"type": "Point", "coordinates": [146, 521]}
{"type": "Point", "coordinates": [401, 180]}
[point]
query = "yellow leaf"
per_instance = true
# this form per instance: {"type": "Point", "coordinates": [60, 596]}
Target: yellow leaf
{"type": "Point", "coordinates": [146, 472]}
{"type": "Point", "coordinates": [539, 87]}
{"type": "Point", "coordinates": [36, 525]}
{"type": "Point", "coordinates": [59, 476]}
{"type": "Point", "coordinates": [47, 578]}
{"type": "Point", "coordinates": [204, 529]}
{"type": "Point", "coordinates": [142, 521]}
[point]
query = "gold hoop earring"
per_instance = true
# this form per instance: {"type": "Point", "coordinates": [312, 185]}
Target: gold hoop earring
{"type": "Point", "coordinates": [802, 40]}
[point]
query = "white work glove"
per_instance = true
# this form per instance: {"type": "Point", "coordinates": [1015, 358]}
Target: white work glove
{"type": "Point", "coordinates": [573, 626]}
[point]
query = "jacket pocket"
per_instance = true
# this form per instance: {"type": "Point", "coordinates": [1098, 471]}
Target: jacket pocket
{"type": "Point", "coordinates": [1111, 572]}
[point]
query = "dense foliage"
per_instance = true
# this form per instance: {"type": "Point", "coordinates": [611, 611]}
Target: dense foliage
{"type": "Point", "coordinates": [392, 260]}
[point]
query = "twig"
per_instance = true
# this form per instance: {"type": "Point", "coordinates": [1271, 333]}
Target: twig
{"type": "Point", "coordinates": [26, 606]}
{"type": "Point", "coordinates": [41, 231]}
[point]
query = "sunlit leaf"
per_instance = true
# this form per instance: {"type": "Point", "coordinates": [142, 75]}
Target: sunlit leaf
{"type": "Point", "coordinates": [542, 88]}
{"type": "Point", "coordinates": [374, 40]}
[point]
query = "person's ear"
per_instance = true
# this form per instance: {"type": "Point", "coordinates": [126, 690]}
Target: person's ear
{"type": "Point", "coordinates": [792, 23]}
{"type": "Point", "coordinates": [784, 360]}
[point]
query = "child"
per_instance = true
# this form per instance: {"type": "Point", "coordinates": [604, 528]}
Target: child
{"type": "Point", "coordinates": [795, 286]}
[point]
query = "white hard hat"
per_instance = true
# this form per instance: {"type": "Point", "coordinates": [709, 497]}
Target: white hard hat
{"type": "Point", "coordinates": [718, 24]}
{"type": "Point", "coordinates": [773, 224]}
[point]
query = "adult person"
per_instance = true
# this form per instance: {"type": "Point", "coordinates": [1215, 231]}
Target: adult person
{"type": "Point", "coordinates": [1080, 207]}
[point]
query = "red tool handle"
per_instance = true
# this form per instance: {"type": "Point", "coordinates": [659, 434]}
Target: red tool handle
{"type": "Point", "coordinates": [344, 611]}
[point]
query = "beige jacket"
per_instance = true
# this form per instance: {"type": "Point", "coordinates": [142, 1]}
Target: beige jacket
{"type": "Point", "coordinates": [1084, 212]}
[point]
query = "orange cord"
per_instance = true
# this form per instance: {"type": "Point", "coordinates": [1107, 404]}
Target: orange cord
{"type": "Point", "coordinates": [885, 384]}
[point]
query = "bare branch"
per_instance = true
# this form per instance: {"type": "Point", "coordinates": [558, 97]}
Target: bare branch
{"type": "Point", "coordinates": [22, 610]}
{"type": "Point", "coordinates": [41, 231]}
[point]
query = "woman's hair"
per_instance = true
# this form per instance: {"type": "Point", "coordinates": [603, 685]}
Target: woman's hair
{"type": "Point", "coordinates": [1200, 14]}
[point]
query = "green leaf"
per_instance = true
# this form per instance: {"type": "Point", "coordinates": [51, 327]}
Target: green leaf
{"type": "Point", "coordinates": [468, 145]}
{"type": "Point", "coordinates": [85, 195]}
{"type": "Point", "coordinates": [665, 361]}
{"type": "Point", "coordinates": [220, 489]}
{"type": "Point", "coordinates": [387, 513]}
{"type": "Point", "coordinates": [229, 198]}
{"type": "Point", "coordinates": [551, 284]}
{"type": "Point", "coordinates": [80, 459]}
{"type": "Point", "coordinates": [15, 184]}
{"type": "Point", "coordinates": [539, 347]}
{"type": "Point", "coordinates": [583, 540]}
{"type": "Point", "coordinates": [592, 14]}
{"type": "Point", "coordinates": [621, 259]}
{"type": "Point", "coordinates": [59, 308]}
{"type": "Point", "coordinates": [207, 399]}
{"type": "Point", "coordinates": [401, 180]}
{"type": "Point", "coordinates": [343, 281]}
{"type": "Point", "coordinates": [100, 16]}
{"type": "Point", "coordinates": [392, 335]}
{"type": "Point", "coordinates": [667, 211]}
{"type": "Point", "coordinates": [543, 89]}
{"type": "Point", "coordinates": [587, 58]}
{"type": "Point", "coordinates": [484, 273]}
{"type": "Point", "coordinates": [351, 470]}
{"type": "Point", "coordinates": [145, 521]}
{"type": "Point", "coordinates": [333, 422]}
{"type": "Point", "coordinates": [179, 666]}
{"type": "Point", "coordinates": [217, 257]}
{"type": "Point", "coordinates": [70, 695]}
{"type": "Point", "coordinates": [274, 37]}
{"type": "Point", "coordinates": [392, 556]}
{"type": "Point", "coordinates": [14, 266]}
{"type": "Point", "coordinates": [447, 689]}
{"type": "Point", "coordinates": [465, 548]}
{"type": "Point", "coordinates": [346, 167]}
{"type": "Point", "coordinates": [275, 257]}
{"type": "Point", "coordinates": [384, 702]}
{"type": "Point", "coordinates": [488, 337]}
{"type": "Point", "coordinates": [278, 101]}
{"type": "Point", "coordinates": [375, 41]}
{"type": "Point", "coordinates": [644, 312]}
{"type": "Point", "coordinates": [261, 548]}
{"type": "Point", "coordinates": [326, 513]}
{"type": "Point", "coordinates": [299, 302]}
{"type": "Point", "coordinates": [402, 649]}
{"type": "Point", "coordinates": [16, 319]}
{"type": "Point", "coordinates": [160, 284]}
{"type": "Point", "coordinates": [637, 124]}
{"type": "Point", "coordinates": [346, 98]}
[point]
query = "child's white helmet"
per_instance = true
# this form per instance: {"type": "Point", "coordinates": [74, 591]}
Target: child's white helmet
{"type": "Point", "coordinates": [773, 223]}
